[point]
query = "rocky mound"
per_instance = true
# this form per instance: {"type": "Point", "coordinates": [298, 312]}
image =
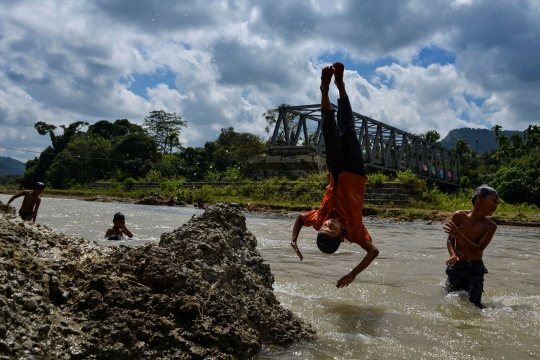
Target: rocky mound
{"type": "Point", "coordinates": [203, 292]}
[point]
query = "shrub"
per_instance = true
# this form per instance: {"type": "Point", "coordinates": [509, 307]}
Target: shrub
{"type": "Point", "coordinates": [247, 189]}
{"type": "Point", "coordinates": [128, 184]}
{"type": "Point", "coordinates": [410, 179]}
{"type": "Point", "coordinates": [206, 193]}
{"type": "Point", "coordinates": [271, 189]}
{"type": "Point", "coordinates": [377, 179]}
{"type": "Point", "coordinates": [465, 181]}
{"type": "Point", "coordinates": [310, 189]}
{"type": "Point", "coordinates": [517, 185]}
{"type": "Point", "coordinates": [153, 176]}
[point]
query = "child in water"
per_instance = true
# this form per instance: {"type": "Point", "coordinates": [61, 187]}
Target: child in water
{"type": "Point", "coordinates": [31, 201]}
{"type": "Point", "coordinates": [469, 233]}
{"type": "Point", "coordinates": [119, 229]}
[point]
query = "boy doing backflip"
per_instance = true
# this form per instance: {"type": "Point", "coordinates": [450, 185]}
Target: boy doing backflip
{"type": "Point", "coordinates": [469, 233]}
{"type": "Point", "coordinates": [31, 201]}
{"type": "Point", "coordinates": [340, 214]}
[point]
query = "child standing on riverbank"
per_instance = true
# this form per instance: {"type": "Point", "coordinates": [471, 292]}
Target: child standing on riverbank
{"type": "Point", "coordinates": [340, 214]}
{"type": "Point", "coordinates": [469, 233]}
{"type": "Point", "coordinates": [31, 202]}
{"type": "Point", "coordinates": [119, 229]}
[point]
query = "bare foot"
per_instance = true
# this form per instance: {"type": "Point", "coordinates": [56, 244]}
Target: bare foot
{"type": "Point", "coordinates": [326, 77]}
{"type": "Point", "coordinates": [339, 69]}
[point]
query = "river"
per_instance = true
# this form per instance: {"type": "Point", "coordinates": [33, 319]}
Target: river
{"type": "Point", "coordinates": [396, 309]}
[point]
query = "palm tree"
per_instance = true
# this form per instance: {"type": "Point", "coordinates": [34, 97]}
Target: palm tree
{"type": "Point", "coordinates": [517, 145]}
{"type": "Point", "coordinates": [496, 130]}
{"type": "Point", "coordinates": [461, 147]}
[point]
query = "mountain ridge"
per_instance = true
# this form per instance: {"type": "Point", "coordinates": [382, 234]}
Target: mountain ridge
{"type": "Point", "coordinates": [486, 140]}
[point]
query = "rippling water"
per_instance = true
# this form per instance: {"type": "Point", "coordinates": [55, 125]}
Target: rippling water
{"type": "Point", "coordinates": [396, 309]}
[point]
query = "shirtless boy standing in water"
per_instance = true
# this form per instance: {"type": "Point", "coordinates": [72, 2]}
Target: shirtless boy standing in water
{"type": "Point", "coordinates": [31, 202]}
{"type": "Point", "coordinates": [340, 214]}
{"type": "Point", "coordinates": [469, 233]}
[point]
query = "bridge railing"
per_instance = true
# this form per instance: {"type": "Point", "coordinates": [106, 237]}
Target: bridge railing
{"type": "Point", "coordinates": [299, 129]}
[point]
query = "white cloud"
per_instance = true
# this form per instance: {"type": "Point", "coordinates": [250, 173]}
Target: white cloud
{"type": "Point", "coordinates": [232, 60]}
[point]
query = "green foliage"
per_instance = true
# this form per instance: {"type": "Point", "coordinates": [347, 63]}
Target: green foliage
{"type": "Point", "coordinates": [377, 179]}
{"type": "Point", "coordinates": [11, 180]}
{"type": "Point", "coordinates": [165, 129]}
{"type": "Point", "coordinates": [465, 181]}
{"type": "Point", "coordinates": [80, 161]}
{"type": "Point", "coordinates": [270, 189]}
{"type": "Point", "coordinates": [139, 152]}
{"type": "Point", "coordinates": [128, 183]}
{"type": "Point", "coordinates": [309, 190]}
{"type": "Point", "coordinates": [516, 184]}
{"type": "Point", "coordinates": [153, 176]}
{"type": "Point", "coordinates": [206, 193]}
{"type": "Point", "coordinates": [231, 173]}
{"type": "Point", "coordinates": [410, 179]}
{"type": "Point", "coordinates": [247, 189]}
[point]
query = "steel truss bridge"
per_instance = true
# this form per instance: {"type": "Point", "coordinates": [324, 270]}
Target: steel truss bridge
{"type": "Point", "coordinates": [299, 130]}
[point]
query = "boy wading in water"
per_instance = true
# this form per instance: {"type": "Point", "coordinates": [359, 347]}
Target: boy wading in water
{"type": "Point", "coordinates": [31, 201]}
{"type": "Point", "coordinates": [119, 228]}
{"type": "Point", "coordinates": [340, 214]}
{"type": "Point", "coordinates": [469, 233]}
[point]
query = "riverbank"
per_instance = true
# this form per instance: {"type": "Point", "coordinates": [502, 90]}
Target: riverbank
{"type": "Point", "coordinates": [507, 216]}
{"type": "Point", "coordinates": [203, 291]}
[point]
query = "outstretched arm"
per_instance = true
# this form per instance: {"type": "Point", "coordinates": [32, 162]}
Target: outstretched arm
{"type": "Point", "coordinates": [16, 196]}
{"type": "Point", "coordinates": [372, 253]}
{"type": "Point", "coordinates": [296, 231]}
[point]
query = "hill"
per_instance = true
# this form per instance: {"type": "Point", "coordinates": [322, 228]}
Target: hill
{"type": "Point", "coordinates": [10, 166]}
{"type": "Point", "coordinates": [486, 140]}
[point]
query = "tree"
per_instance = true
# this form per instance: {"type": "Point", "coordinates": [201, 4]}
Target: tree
{"type": "Point", "coordinates": [461, 147]}
{"type": "Point", "coordinates": [82, 160]}
{"type": "Point", "coordinates": [503, 150]}
{"type": "Point", "coordinates": [431, 136]}
{"type": "Point", "coordinates": [532, 137]}
{"type": "Point", "coordinates": [496, 129]}
{"type": "Point", "coordinates": [241, 146]}
{"type": "Point", "coordinates": [161, 126]}
{"type": "Point", "coordinates": [139, 152]}
{"type": "Point", "coordinates": [517, 145]}
{"type": "Point", "coordinates": [43, 128]}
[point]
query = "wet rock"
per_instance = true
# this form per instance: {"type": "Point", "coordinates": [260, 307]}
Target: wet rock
{"type": "Point", "coordinates": [203, 292]}
{"type": "Point", "coordinates": [8, 209]}
{"type": "Point", "coordinates": [152, 201]}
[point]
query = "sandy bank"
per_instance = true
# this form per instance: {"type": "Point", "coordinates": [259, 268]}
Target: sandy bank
{"type": "Point", "coordinates": [203, 292]}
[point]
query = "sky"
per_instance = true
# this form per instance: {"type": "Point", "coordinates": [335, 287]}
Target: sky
{"type": "Point", "coordinates": [417, 65]}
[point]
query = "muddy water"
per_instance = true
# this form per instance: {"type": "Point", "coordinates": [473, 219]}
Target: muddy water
{"type": "Point", "coordinates": [396, 309]}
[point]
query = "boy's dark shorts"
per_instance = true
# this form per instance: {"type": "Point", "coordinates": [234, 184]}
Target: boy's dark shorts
{"type": "Point", "coordinates": [468, 275]}
{"type": "Point", "coordinates": [25, 214]}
